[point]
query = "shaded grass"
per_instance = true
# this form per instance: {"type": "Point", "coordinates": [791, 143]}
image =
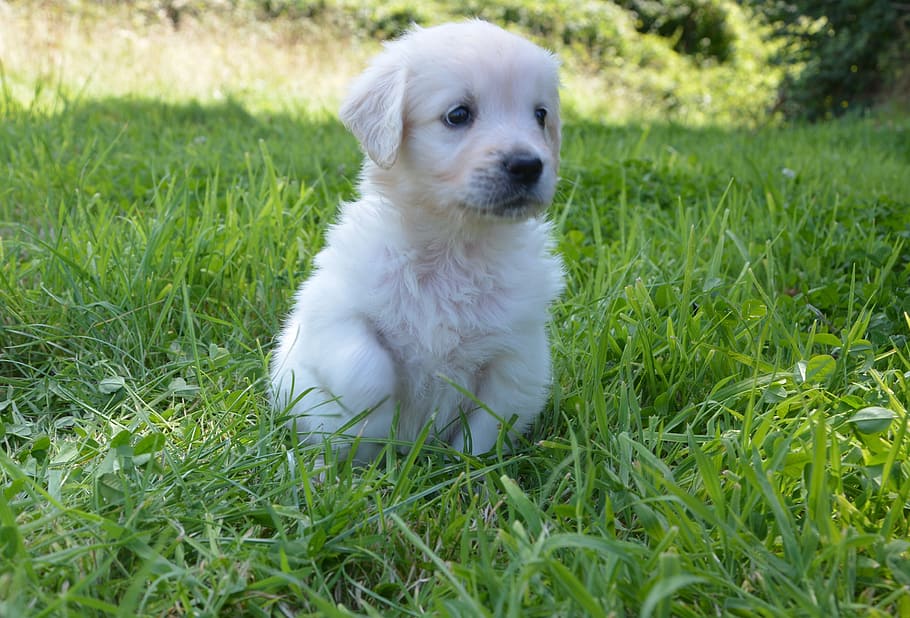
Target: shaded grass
{"type": "Point", "coordinates": [735, 298]}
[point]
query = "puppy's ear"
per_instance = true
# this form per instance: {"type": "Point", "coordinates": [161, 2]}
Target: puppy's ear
{"type": "Point", "coordinates": [374, 108]}
{"type": "Point", "coordinates": [554, 129]}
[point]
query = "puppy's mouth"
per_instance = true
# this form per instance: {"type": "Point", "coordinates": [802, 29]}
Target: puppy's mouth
{"type": "Point", "coordinates": [518, 188]}
{"type": "Point", "coordinates": [515, 205]}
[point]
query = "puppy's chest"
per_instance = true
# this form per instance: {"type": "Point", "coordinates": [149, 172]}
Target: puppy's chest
{"type": "Point", "coordinates": [445, 313]}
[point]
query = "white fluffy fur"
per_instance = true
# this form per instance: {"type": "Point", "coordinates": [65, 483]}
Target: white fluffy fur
{"type": "Point", "coordinates": [442, 272]}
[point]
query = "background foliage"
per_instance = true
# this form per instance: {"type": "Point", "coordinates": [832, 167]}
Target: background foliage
{"type": "Point", "coordinates": [697, 27]}
{"type": "Point", "coordinates": [840, 56]}
{"type": "Point", "coordinates": [848, 54]}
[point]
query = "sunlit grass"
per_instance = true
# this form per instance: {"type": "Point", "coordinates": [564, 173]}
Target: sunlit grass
{"type": "Point", "coordinates": [123, 51]}
{"type": "Point", "coordinates": [727, 433]}
{"type": "Point", "coordinates": [216, 54]}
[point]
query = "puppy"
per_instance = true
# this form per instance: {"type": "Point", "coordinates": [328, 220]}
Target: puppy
{"type": "Point", "coordinates": [430, 300]}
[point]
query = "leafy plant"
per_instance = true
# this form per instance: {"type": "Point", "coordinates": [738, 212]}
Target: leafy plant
{"type": "Point", "coordinates": [697, 27]}
{"type": "Point", "coordinates": [843, 55]}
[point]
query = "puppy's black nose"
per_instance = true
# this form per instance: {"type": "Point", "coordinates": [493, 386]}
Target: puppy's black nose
{"type": "Point", "coordinates": [523, 168]}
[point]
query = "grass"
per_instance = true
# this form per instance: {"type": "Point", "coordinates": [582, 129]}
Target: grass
{"type": "Point", "coordinates": [221, 51]}
{"type": "Point", "coordinates": [727, 433]}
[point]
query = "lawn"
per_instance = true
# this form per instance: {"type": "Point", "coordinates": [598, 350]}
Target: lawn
{"type": "Point", "coordinates": [727, 433]}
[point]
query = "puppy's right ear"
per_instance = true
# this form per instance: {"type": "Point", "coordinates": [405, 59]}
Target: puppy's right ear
{"type": "Point", "coordinates": [374, 108]}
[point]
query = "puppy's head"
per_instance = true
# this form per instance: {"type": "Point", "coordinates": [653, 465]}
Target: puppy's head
{"type": "Point", "coordinates": [461, 117]}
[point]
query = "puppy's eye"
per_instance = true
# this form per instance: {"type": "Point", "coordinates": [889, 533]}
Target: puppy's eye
{"type": "Point", "coordinates": [541, 115]}
{"type": "Point", "coordinates": [458, 116]}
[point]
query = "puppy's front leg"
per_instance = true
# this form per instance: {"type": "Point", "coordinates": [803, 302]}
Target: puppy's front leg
{"type": "Point", "coordinates": [514, 387]}
{"type": "Point", "coordinates": [352, 373]}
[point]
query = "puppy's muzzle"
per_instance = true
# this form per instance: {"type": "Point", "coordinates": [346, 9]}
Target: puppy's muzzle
{"type": "Point", "coordinates": [513, 186]}
{"type": "Point", "coordinates": [523, 169]}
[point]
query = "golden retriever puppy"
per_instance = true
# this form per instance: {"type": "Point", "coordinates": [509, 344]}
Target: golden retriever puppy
{"type": "Point", "coordinates": [431, 295]}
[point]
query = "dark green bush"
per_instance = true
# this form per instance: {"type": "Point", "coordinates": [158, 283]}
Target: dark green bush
{"type": "Point", "coordinates": [843, 54]}
{"type": "Point", "coordinates": [290, 8]}
{"type": "Point", "coordinates": [698, 27]}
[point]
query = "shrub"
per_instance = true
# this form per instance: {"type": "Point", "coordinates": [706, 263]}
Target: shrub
{"type": "Point", "coordinates": [698, 27]}
{"type": "Point", "coordinates": [842, 54]}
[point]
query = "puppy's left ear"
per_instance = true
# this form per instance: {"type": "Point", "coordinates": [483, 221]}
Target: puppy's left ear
{"type": "Point", "coordinates": [554, 128]}
{"type": "Point", "coordinates": [374, 108]}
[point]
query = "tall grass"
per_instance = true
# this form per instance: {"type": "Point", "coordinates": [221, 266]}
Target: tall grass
{"type": "Point", "coordinates": [727, 432]}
